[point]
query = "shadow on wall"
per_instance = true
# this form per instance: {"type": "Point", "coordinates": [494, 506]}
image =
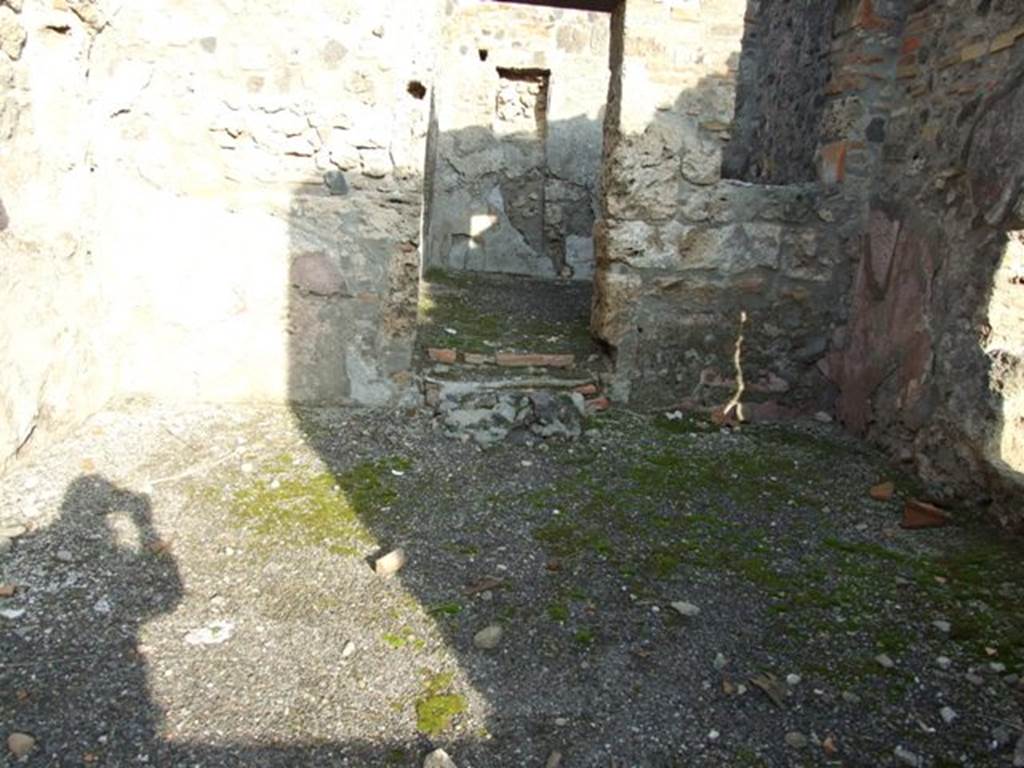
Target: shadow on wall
{"type": "Point", "coordinates": [515, 203]}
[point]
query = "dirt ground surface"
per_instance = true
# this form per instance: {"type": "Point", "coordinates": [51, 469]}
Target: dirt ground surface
{"type": "Point", "coordinates": [195, 588]}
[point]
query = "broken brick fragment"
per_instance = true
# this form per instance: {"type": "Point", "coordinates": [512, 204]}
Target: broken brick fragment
{"type": "Point", "coordinates": [920, 514]}
{"type": "Point", "coordinates": [438, 355]}
{"type": "Point", "coordinates": [882, 491]}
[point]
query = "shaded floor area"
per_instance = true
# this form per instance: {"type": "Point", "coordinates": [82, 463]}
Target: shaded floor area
{"type": "Point", "coordinates": [194, 588]}
{"type": "Point", "coordinates": [486, 315]}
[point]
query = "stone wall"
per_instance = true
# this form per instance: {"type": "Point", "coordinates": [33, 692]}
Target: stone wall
{"type": "Point", "coordinates": [712, 291]}
{"type": "Point", "coordinates": [220, 205]}
{"type": "Point", "coordinates": [519, 109]}
{"type": "Point", "coordinates": [55, 324]}
{"type": "Point", "coordinates": [781, 91]}
{"type": "Point", "coordinates": [930, 361]}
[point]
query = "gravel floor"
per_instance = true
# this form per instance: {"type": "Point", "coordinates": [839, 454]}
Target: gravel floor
{"type": "Point", "coordinates": [194, 588]}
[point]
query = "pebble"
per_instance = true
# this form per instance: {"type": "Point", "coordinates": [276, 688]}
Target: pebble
{"type": "Point", "coordinates": [1001, 738]}
{"type": "Point", "coordinates": [944, 662]}
{"type": "Point", "coordinates": [884, 660]}
{"type": "Point", "coordinates": [11, 531]}
{"type": "Point", "coordinates": [948, 715]}
{"type": "Point", "coordinates": [1018, 753]}
{"type": "Point", "coordinates": [12, 613]}
{"type": "Point", "coordinates": [554, 760]}
{"type": "Point", "coordinates": [720, 661]}
{"type": "Point", "coordinates": [7, 590]}
{"type": "Point", "coordinates": [20, 744]}
{"type": "Point", "coordinates": [102, 606]}
{"type": "Point", "coordinates": [214, 633]}
{"type": "Point", "coordinates": [248, 468]}
{"type": "Point", "coordinates": [907, 757]}
{"type": "Point", "coordinates": [348, 650]}
{"type": "Point", "coordinates": [64, 555]}
{"type": "Point", "coordinates": [438, 759]}
{"type": "Point", "coordinates": [713, 735]}
{"type": "Point", "coordinates": [561, 722]}
{"type": "Point", "coordinates": [390, 564]}
{"type": "Point", "coordinates": [686, 609]}
{"type": "Point", "coordinates": [997, 666]}
{"type": "Point", "coordinates": [488, 637]}
{"type": "Point", "coordinates": [793, 679]}
{"type": "Point", "coordinates": [796, 740]}
{"type": "Point", "coordinates": [974, 679]}
{"type": "Point", "coordinates": [942, 626]}
{"type": "Point", "coordinates": [850, 697]}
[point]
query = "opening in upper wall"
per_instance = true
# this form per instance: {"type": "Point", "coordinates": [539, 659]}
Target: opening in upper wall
{"type": "Point", "coordinates": [780, 99]}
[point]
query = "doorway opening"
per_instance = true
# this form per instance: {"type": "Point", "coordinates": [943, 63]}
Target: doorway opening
{"type": "Point", "coordinates": [513, 186]}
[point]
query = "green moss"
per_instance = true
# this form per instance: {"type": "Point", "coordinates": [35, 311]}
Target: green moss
{"type": "Point", "coordinates": [584, 637]}
{"type": "Point", "coordinates": [435, 713]}
{"type": "Point", "coordinates": [438, 683]}
{"type": "Point", "coordinates": [866, 550]}
{"type": "Point", "coordinates": [558, 612]}
{"type": "Point", "coordinates": [440, 276]}
{"type": "Point", "coordinates": [326, 509]}
{"type": "Point", "coordinates": [452, 302]}
{"type": "Point", "coordinates": [663, 564]}
{"type": "Point", "coordinates": [446, 609]}
{"type": "Point", "coordinates": [689, 423]}
{"type": "Point", "coordinates": [436, 708]}
{"type": "Point", "coordinates": [403, 639]}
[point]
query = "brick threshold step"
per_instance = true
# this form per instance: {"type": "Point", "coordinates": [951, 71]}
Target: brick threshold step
{"type": "Point", "coordinates": [448, 356]}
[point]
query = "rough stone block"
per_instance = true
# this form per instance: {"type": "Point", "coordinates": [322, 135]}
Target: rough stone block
{"type": "Point", "coordinates": [12, 34]}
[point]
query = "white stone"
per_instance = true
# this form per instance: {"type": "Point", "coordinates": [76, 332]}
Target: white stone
{"type": "Point", "coordinates": [438, 759]}
{"type": "Point", "coordinates": [948, 715]}
{"type": "Point", "coordinates": [390, 564]}
{"type": "Point", "coordinates": [686, 609]}
{"type": "Point", "coordinates": [488, 638]}
{"type": "Point", "coordinates": [214, 633]}
{"type": "Point", "coordinates": [20, 745]}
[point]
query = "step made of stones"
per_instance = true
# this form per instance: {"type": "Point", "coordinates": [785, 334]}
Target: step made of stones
{"type": "Point", "coordinates": [460, 387]}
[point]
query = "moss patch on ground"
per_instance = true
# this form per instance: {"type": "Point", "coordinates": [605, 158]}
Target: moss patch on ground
{"type": "Point", "coordinates": [454, 314]}
{"type": "Point", "coordinates": [333, 510]}
{"type": "Point", "coordinates": [437, 706]}
{"type": "Point", "coordinates": [763, 508]}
